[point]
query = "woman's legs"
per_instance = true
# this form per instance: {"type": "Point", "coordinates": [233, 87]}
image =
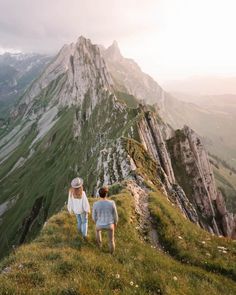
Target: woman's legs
{"type": "Point", "coordinates": [84, 224]}
{"type": "Point", "coordinates": [79, 222]}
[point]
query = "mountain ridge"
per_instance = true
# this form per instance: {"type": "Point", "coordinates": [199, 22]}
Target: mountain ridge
{"type": "Point", "coordinates": [72, 122]}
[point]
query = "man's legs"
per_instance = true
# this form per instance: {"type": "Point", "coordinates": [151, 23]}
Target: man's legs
{"type": "Point", "coordinates": [99, 237]}
{"type": "Point", "coordinates": [111, 236]}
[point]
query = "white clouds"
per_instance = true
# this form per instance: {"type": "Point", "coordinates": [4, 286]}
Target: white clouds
{"type": "Point", "coordinates": [46, 24]}
{"type": "Point", "coordinates": [169, 38]}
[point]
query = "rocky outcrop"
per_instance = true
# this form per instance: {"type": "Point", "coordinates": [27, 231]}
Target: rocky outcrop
{"type": "Point", "coordinates": [114, 164]}
{"type": "Point", "coordinates": [227, 219]}
{"type": "Point", "coordinates": [188, 177]}
{"type": "Point", "coordinates": [178, 196]}
{"type": "Point", "coordinates": [150, 132]}
{"type": "Point", "coordinates": [193, 172]}
{"type": "Point", "coordinates": [151, 137]}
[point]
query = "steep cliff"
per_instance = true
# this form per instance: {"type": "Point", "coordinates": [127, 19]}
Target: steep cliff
{"type": "Point", "coordinates": [194, 173]}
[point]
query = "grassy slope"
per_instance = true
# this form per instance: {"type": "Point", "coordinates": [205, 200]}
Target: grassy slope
{"type": "Point", "coordinates": [188, 242]}
{"type": "Point", "coordinates": [58, 262]}
{"type": "Point", "coordinates": [34, 180]}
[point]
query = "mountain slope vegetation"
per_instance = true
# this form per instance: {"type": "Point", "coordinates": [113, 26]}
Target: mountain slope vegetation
{"type": "Point", "coordinates": [59, 262]}
{"type": "Point", "coordinates": [74, 120]}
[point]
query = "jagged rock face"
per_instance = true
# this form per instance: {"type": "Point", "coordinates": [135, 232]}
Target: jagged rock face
{"type": "Point", "coordinates": [227, 219]}
{"type": "Point", "coordinates": [77, 77]}
{"type": "Point", "coordinates": [151, 138]}
{"type": "Point", "coordinates": [114, 164]}
{"type": "Point", "coordinates": [78, 69]}
{"type": "Point", "coordinates": [178, 196]}
{"type": "Point", "coordinates": [193, 172]}
{"type": "Point", "coordinates": [150, 133]}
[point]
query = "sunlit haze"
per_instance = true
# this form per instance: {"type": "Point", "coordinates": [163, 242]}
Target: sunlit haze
{"type": "Point", "coordinates": [170, 39]}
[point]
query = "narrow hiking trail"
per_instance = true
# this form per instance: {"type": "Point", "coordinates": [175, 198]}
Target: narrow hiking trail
{"type": "Point", "coordinates": [146, 225]}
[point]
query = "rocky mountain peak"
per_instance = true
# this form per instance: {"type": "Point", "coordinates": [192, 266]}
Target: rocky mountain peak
{"type": "Point", "coordinates": [113, 51]}
{"type": "Point", "coordinates": [77, 70]}
{"type": "Point", "coordinates": [127, 75]}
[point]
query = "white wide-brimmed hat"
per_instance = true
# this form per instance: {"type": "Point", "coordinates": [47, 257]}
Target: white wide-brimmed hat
{"type": "Point", "coordinates": [77, 182]}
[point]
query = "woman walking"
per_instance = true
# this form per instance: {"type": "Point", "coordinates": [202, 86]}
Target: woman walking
{"type": "Point", "coordinates": [105, 216]}
{"type": "Point", "coordinates": [79, 205]}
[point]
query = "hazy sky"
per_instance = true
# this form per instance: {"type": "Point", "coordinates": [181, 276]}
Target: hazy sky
{"type": "Point", "coordinates": [170, 39]}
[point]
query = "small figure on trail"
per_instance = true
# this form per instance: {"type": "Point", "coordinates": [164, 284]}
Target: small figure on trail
{"type": "Point", "coordinates": [105, 216]}
{"type": "Point", "coordinates": [79, 205]}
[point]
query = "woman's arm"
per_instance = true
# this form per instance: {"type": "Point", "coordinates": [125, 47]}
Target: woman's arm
{"type": "Point", "coordinates": [86, 205]}
{"type": "Point", "coordinates": [69, 203]}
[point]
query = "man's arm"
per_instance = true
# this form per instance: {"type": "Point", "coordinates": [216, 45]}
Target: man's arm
{"type": "Point", "coordinates": [94, 213]}
{"type": "Point", "coordinates": [115, 214]}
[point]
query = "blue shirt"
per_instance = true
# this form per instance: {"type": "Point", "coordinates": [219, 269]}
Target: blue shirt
{"type": "Point", "coordinates": [105, 212]}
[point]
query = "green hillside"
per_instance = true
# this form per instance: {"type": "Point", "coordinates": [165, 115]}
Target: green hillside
{"type": "Point", "coordinates": [38, 188]}
{"type": "Point", "coordinates": [58, 262]}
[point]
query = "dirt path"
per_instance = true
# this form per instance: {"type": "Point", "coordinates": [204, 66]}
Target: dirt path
{"type": "Point", "coordinates": [146, 226]}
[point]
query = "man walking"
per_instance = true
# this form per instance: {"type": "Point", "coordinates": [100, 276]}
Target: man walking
{"type": "Point", "coordinates": [105, 216]}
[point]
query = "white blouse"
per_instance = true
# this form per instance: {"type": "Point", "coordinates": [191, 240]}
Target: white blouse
{"type": "Point", "coordinates": [78, 205]}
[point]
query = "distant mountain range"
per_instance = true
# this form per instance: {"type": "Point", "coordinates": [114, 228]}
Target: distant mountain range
{"type": "Point", "coordinates": [17, 72]}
